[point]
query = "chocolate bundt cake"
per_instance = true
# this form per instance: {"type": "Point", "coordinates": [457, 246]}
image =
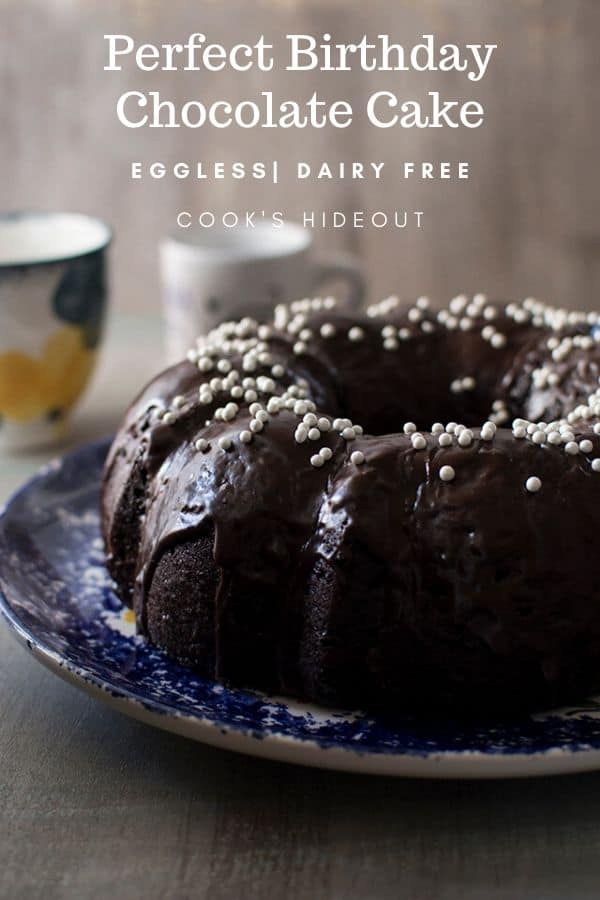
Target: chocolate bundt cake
{"type": "Point", "coordinates": [397, 510]}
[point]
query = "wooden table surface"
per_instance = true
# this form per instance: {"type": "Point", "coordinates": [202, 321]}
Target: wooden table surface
{"type": "Point", "coordinates": [95, 805]}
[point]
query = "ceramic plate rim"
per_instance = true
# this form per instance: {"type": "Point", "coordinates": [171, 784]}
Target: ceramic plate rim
{"type": "Point", "coordinates": [279, 746]}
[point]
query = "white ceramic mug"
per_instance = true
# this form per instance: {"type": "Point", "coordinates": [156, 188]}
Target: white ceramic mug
{"type": "Point", "coordinates": [209, 276]}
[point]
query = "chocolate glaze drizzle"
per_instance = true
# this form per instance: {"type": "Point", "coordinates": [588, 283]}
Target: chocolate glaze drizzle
{"type": "Point", "coordinates": [338, 565]}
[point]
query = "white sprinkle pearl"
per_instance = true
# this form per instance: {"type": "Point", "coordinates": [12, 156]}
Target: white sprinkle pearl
{"type": "Point", "coordinates": [465, 438]}
{"type": "Point", "coordinates": [201, 445]}
{"type": "Point", "coordinates": [348, 434]}
{"type": "Point", "coordinates": [418, 442]}
{"type": "Point", "coordinates": [586, 446]}
{"type": "Point", "coordinates": [327, 330]}
{"type": "Point", "coordinates": [301, 434]}
{"type": "Point", "coordinates": [447, 473]}
{"type": "Point", "coordinates": [245, 437]}
{"type": "Point", "coordinates": [498, 341]}
{"type": "Point", "coordinates": [533, 484]}
{"type": "Point", "coordinates": [325, 453]}
{"type": "Point", "coordinates": [178, 401]}
{"type": "Point", "coordinates": [409, 427]}
{"type": "Point", "coordinates": [445, 439]}
{"type": "Point", "coordinates": [323, 424]}
{"type": "Point", "coordinates": [314, 434]}
{"type": "Point", "coordinates": [572, 448]}
{"type": "Point", "coordinates": [317, 461]}
{"type": "Point", "coordinates": [356, 334]}
{"type": "Point", "coordinates": [437, 428]}
{"type": "Point", "coordinates": [358, 458]}
{"type": "Point", "coordinates": [488, 430]}
{"type": "Point", "coordinates": [168, 418]}
{"type": "Point", "coordinates": [224, 443]}
{"type": "Point", "coordinates": [596, 464]}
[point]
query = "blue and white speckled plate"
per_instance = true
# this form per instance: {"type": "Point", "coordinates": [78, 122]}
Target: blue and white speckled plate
{"type": "Point", "coordinates": [57, 598]}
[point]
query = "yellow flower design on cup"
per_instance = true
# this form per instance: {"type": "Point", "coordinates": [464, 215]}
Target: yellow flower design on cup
{"type": "Point", "coordinates": [52, 305]}
{"type": "Point", "coordinates": [49, 384]}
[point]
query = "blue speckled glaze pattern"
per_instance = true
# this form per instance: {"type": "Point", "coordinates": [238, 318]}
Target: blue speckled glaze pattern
{"type": "Point", "coordinates": [57, 595]}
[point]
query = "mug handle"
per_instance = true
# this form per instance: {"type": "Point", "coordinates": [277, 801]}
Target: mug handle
{"type": "Point", "coordinates": [343, 266]}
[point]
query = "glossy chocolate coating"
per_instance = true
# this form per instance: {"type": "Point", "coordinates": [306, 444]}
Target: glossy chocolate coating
{"type": "Point", "coordinates": [376, 584]}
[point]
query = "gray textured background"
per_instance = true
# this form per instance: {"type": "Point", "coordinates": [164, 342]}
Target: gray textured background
{"type": "Point", "coordinates": [526, 223]}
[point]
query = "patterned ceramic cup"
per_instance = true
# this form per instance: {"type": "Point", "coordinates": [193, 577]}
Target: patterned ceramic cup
{"type": "Point", "coordinates": [52, 302]}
